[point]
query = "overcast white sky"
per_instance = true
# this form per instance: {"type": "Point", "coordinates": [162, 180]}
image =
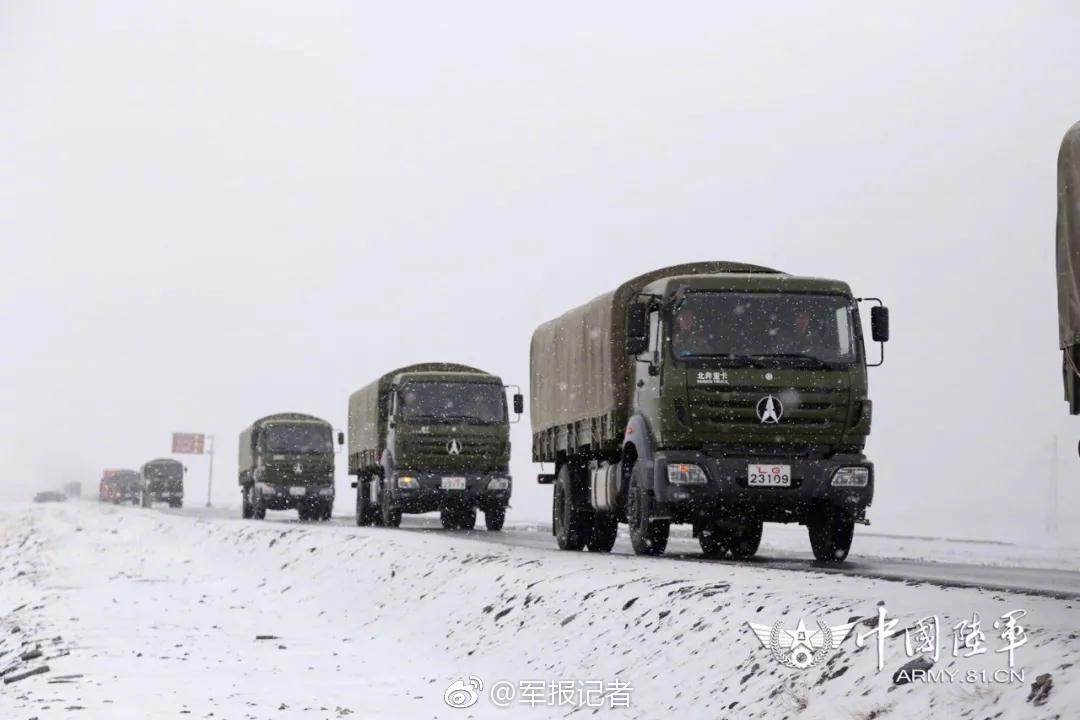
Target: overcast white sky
{"type": "Point", "coordinates": [212, 211]}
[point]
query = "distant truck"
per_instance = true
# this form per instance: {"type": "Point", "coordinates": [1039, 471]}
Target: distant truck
{"type": "Point", "coordinates": [119, 486]}
{"type": "Point", "coordinates": [73, 489]}
{"type": "Point", "coordinates": [433, 436]}
{"type": "Point", "coordinates": [286, 463]}
{"type": "Point", "coordinates": [722, 395]}
{"type": "Point", "coordinates": [162, 480]}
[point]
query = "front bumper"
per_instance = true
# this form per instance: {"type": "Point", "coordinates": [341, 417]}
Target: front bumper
{"type": "Point", "coordinates": [426, 493]}
{"type": "Point", "coordinates": [726, 489]}
{"type": "Point", "coordinates": [293, 495]}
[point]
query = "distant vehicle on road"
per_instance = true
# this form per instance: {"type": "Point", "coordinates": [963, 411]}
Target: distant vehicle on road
{"type": "Point", "coordinates": [119, 486]}
{"type": "Point", "coordinates": [162, 480]}
{"type": "Point", "coordinates": [287, 462]}
{"type": "Point", "coordinates": [434, 436]}
{"type": "Point", "coordinates": [50, 496]}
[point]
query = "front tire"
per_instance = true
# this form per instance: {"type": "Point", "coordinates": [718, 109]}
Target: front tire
{"type": "Point", "coordinates": [831, 531]}
{"type": "Point", "coordinates": [569, 521]}
{"type": "Point", "coordinates": [647, 536]}
{"type": "Point", "coordinates": [448, 518]}
{"type": "Point", "coordinates": [494, 519]}
{"type": "Point", "coordinates": [245, 505]}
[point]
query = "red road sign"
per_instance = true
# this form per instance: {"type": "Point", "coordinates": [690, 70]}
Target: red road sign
{"type": "Point", "coordinates": [188, 443]}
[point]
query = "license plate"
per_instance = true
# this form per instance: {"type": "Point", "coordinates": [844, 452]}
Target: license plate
{"type": "Point", "coordinates": [768, 476]}
{"type": "Point", "coordinates": [453, 483]}
{"type": "Point", "coordinates": [297, 491]}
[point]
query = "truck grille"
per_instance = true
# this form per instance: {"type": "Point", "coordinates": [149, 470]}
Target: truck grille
{"type": "Point", "coordinates": [718, 408]}
{"type": "Point", "coordinates": [471, 452]}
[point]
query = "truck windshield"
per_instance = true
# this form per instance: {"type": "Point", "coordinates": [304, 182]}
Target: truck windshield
{"type": "Point", "coordinates": [164, 472]}
{"type": "Point", "coordinates": [450, 401]}
{"type": "Point", "coordinates": [297, 439]}
{"type": "Point", "coordinates": [815, 329]}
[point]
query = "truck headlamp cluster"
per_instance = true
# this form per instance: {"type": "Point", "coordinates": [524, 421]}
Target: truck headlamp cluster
{"type": "Point", "coordinates": [851, 477]}
{"type": "Point", "coordinates": [686, 474]}
{"type": "Point", "coordinates": [499, 484]}
{"type": "Point", "coordinates": [326, 491]}
{"type": "Point", "coordinates": [265, 489]}
{"type": "Point", "coordinates": [407, 482]}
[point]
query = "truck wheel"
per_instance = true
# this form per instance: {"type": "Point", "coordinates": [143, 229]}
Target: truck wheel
{"type": "Point", "coordinates": [327, 510]}
{"type": "Point", "coordinates": [567, 512]}
{"type": "Point", "coordinates": [467, 518]}
{"type": "Point", "coordinates": [245, 505]}
{"type": "Point", "coordinates": [363, 513]}
{"type": "Point", "coordinates": [831, 532]}
{"type": "Point", "coordinates": [494, 519]}
{"type": "Point", "coordinates": [448, 518]}
{"type": "Point", "coordinates": [649, 537]}
{"type": "Point", "coordinates": [176, 504]}
{"type": "Point", "coordinates": [145, 501]}
{"type": "Point", "coordinates": [605, 528]}
{"type": "Point", "coordinates": [303, 512]}
{"type": "Point", "coordinates": [390, 518]}
{"type": "Point", "coordinates": [258, 505]}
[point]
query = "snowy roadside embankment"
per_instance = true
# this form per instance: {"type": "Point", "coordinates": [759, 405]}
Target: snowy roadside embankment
{"type": "Point", "coordinates": [165, 614]}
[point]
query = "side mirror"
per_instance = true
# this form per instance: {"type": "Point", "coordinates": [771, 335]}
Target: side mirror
{"type": "Point", "coordinates": [519, 404]}
{"type": "Point", "coordinates": [637, 329]}
{"type": "Point", "coordinates": [185, 469]}
{"type": "Point", "coordinates": [879, 323]}
{"type": "Point", "coordinates": [340, 438]}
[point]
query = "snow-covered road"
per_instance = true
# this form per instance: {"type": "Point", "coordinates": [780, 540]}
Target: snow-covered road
{"type": "Point", "coordinates": [143, 613]}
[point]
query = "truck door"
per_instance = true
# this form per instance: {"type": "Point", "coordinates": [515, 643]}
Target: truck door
{"type": "Point", "coordinates": [647, 371]}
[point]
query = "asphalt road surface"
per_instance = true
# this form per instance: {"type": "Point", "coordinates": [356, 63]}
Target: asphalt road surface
{"type": "Point", "coordinates": [1063, 584]}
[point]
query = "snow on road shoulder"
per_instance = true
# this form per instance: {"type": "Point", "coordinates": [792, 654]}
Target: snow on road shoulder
{"type": "Point", "coordinates": [165, 614]}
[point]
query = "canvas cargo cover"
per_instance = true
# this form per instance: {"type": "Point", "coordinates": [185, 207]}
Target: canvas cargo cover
{"type": "Point", "coordinates": [367, 407]}
{"type": "Point", "coordinates": [577, 365]}
{"type": "Point", "coordinates": [1068, 262]}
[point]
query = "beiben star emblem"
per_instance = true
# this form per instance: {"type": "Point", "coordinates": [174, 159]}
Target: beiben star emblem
{"type": "Point", "coordinates": [453, 447]}
{"type": "Point", "coordinates": [770, 410]}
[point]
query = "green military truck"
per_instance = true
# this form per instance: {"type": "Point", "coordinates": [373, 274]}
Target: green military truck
{"type": "Point", "coordinates": [433, 436]}
{"type": "Point", "coordinates": [162, 480]}
{"type": "Point", "coordinates": [718, 394]}
{"type": "Point", "coordinates": [287, 462]}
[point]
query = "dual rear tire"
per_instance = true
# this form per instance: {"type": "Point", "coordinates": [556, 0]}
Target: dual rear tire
{"type": "Point", "coordinates": [574, 523]}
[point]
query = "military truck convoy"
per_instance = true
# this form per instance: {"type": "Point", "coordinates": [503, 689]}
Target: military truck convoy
{"type": "Point", "coordinates": [287, 462]}
{"type": "Point", "coordinates": [162, 480]}
{"type": "Point", "coordinates": [433, 436]}
{"type": "Point", "coordinates": [717, 394]}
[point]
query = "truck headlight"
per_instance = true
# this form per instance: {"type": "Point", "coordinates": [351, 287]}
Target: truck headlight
{"type": "Point", "coordinates": [326, 491]}
{"type": "Point", "coordinates": [686, 474]}
{"type": "Point", "coordinates": [266, 489]}
{"type": "Point", "coordinates": [851, 477]}
{"type": "Point", "coordinates": [499, 484]}
{"type": "Point", "coordinates": [407, 482]}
